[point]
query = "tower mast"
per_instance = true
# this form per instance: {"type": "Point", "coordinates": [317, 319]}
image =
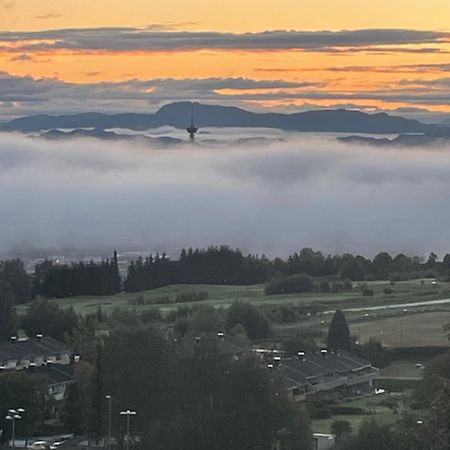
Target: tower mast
{"type": "Point", "coordinates": [192, 129]}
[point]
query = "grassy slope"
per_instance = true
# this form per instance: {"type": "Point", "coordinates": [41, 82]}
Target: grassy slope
{"type": "Point", "coordinates": [418, 329]}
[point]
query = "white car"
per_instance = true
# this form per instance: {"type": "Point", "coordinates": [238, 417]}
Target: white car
{"type": "Point", "coordinates": [39, 445]}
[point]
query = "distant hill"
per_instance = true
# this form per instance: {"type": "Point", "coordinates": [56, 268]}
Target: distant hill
{"type": "Point", "coordinates": [108, 135]}
{"type": "Point", "coordinates": [437, 136]}
{"type": "Point", "coordinates": [178, 116]}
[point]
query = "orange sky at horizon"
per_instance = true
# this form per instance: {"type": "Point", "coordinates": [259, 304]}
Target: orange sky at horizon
{"type": "Point", "coordinates": [366, 79]}
{"type": "Point", "coordinates": [232, 16]}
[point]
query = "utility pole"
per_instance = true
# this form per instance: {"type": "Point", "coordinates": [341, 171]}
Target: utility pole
{"type": "Point", "coordinates": [109, 398]}
{"type": "Point", "coordinates": [401, 331]}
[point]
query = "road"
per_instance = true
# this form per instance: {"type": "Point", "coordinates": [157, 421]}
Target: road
{"type": "Point", "coordinates": [395, 306]}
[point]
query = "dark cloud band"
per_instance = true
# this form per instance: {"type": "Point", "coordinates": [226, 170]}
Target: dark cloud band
{"type": "Point", "coordinates": [129, 39]}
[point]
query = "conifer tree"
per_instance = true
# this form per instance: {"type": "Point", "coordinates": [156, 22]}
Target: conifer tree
{"type": "Point", "coordinates": [339, 333]}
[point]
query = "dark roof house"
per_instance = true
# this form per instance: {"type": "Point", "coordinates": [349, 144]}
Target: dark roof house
{"type": "Point", "coordinates": [311, 373]}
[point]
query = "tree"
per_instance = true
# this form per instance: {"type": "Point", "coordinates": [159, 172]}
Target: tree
{"type": "Point", "coordinates": [374, 352]}
{"type": "Point", "coordinates": [256, 324]}
{"type": "Point", "coordinates": [290, 285]}
{"type": "Point", "coordinates": [297, 435]}
{"type": "Point", "coordinates": [352, 270]}
{"type": "Point", "coordinates": [341, 428]}
{"type": "Point", "coordinates": [20, 389]}
{"type": "Point", "coordinates": [8, 318]}
{"type": "Point", "coordinates": [79, 414]}
{"type": "Point", "coordinates": [14, 274]}
{"type": "Point", "coordinates": [370, 436]}
{"type": "Point", "coordinates": [301, 341]}
{"type": "Point", "coordinates": [222, 404]}
{"type": "Point", "coordinates": [382, 266]}
{"type": "Point", "coordinates": [206, 320]}
{"type": "Point", "coordinates": [339, 333]}
{"type": "Point", "coordinates": [446, 262]}
{"type": "Point", "coordinates": [46, 317]}
{"type": "Point", "coordinates": [140, 379]}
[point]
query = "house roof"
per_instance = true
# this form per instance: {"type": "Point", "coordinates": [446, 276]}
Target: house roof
{"type": "Point", "coordinates": [32, 348]}
{"type": "Point", "coordinates": [301, 371]}
{"type": "Point", "coordinates": [55, 373]}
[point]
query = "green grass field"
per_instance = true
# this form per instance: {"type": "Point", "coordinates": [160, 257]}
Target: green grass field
{"type": "Point", "coordinates": [380, 413]}
{"type": "Point", "coordinates": [404, 368]}
{"type": "Point", "coordinates": [391, 326]}
{"type": "Point", "coordinates": [223, 296]}
{"type": "Point", "coordinates": [407, 330]}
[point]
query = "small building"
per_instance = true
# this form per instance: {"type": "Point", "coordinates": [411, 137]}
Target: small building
{"type": "Point", "coordinates": [323, 441]}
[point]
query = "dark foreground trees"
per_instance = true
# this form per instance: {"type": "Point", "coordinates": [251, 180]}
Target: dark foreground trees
{"type": "Point", "coordinates": [46, 317]}
{"type": "Point", "coordinates": [191, 396]}
{"type": "Point", "coordinates": [22, 390]}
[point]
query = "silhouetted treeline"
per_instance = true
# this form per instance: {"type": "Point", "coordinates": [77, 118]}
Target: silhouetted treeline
{"type": "Point", "coordinates": [215, 265]}
{"type": "Point", "coordinates": [222, 265]}
{"type": "Point", "coordinates": [57, 281]}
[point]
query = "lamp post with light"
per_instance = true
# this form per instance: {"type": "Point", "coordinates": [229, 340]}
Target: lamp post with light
{"type": "Point", "coordinates": [109, 398]}
{"type": "Point", "coordinates": [128, 414]}
{"type": "Point", "coordinates": [13, 415]}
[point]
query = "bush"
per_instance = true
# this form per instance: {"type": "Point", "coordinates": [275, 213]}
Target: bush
{"type": "Point", "coordinates": [337, 287]}
{"type": "Point", "coordinates": [150, 301]}
{"type": "Point", "coordinates": [367, 292]}
{"type": "Point", "coordinates": [188, 297]}
{"type": "Point", "coordinates": [288, 314]}
{"type": "Point", "coordinates": [387, 291]}
{"type": "Point", "coordinates": [152, 315]}
{"type": "Point", "coordinates": [162, 300]}
{"type": "Point", "coordinates": [347, 285]}
{"type": "Point", "coordinates": [321, 413]}
{"type": "Point", "coordinates": [324, 286]}
{"type": "Point", "coordinates": [391, 403]}
{"type": "Point", "coordinates": [348, 411]}
{"type": "Point", "coordinates": [340, 427]}
{"type": "Point", "coordinates": [293, 284]}
{"type": "Point", "coordinates": [255, 322]}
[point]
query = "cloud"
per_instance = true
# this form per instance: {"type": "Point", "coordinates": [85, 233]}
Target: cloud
{"type": "Point", "coordinates": [277, 198]}
{"type": "Point", "coordinates": [400, 68]}
{"type": "Point", "coordinates": [22, 57]}
{"type": "Point", "coordinates": [5, 4]}
{"type": "Point", "coordinates": [134, 39]}
{"type": "Point", "coordinates": [49, 15]}
{"type": "Point", "coordinates": [92, 73]}
{"type": "Point", "coordinates": [33, 95]}
{"type": "Point", "coordinates": [132, 95]}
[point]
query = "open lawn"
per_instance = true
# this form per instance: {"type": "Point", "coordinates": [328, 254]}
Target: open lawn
{"type": "Point", "coordinates": [404, 368]}
{"type": "Point", "coordinates": [223, 296]}
{"type": "Point", "coordinates": [405, 330]}
{"type": "Point", "coordinates": [375, 410]}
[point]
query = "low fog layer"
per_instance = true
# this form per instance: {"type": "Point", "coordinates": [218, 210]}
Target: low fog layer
{"type": "Point", "coordinates": [273, 198]}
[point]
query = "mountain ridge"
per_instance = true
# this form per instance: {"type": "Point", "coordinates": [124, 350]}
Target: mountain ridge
{"type": "Point", "coordinates": [178, 115]}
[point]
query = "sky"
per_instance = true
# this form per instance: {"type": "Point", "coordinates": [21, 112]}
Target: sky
{"type": "Point", "coordinates": [63, 56]}
{"type": "Point", "coordinates": [294, 191]}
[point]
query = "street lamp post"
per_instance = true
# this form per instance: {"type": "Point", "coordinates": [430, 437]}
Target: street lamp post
{"type": "Point", "coordinates": [128, 414]}
{"type": "Point", "coordinates": [13, 415]}
{"type": "Point", "coordinates": [109, 398]}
